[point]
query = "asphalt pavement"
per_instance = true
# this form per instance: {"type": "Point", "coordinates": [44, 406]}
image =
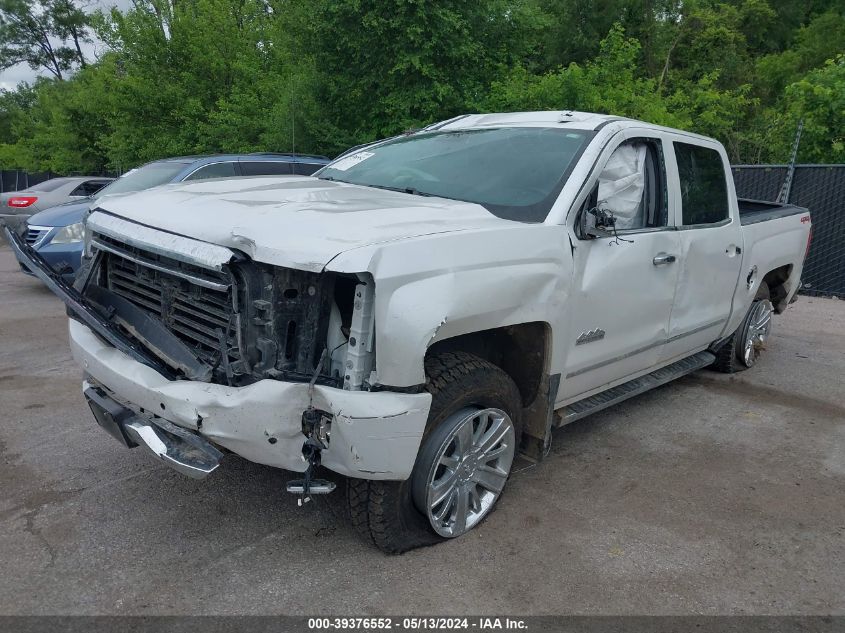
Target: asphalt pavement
{"type": "Point", "coordinates": [712, 495]}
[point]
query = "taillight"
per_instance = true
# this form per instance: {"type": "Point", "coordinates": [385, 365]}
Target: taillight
{"type": "Point", "coordinates": [809, 240]}
{"type": "Point", "coordinates": [19, 202]}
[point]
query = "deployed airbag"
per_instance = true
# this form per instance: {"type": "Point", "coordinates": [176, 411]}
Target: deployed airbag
{"type": "Point", "coordinates": [621, 185]}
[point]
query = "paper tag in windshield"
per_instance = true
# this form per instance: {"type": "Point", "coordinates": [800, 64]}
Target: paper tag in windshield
{"type": "Point", "coordinates": [350, 161]}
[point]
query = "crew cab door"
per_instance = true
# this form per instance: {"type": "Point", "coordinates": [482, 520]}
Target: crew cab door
{"type": "Point", "coordinates": [710, 242]}
{"type": "Point", "coordinates": [623, 286]}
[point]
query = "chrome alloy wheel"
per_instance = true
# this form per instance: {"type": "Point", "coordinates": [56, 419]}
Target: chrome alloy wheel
{"type": "Point", "coordinates": [469, 470]}
{"type": "Point", "coordinates": [756, 331]}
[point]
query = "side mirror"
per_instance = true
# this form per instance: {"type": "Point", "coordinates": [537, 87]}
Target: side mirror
{"type": "Point", "coordinates": [597, 232]}
{"type": "Point", "coordinates": [597, 223]}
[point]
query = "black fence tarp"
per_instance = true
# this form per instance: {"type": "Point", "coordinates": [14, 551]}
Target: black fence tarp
{"type": "Point", "coordinates": [821, 189]}
{"type": "Point", "coordinates": [17, 179]}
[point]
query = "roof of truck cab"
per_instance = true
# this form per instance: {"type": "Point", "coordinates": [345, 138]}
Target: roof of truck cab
{"type": "Point", "coordinates": [572, 119]}
{"type": "Point", "coordinates": [272, 156]}
{"type": "Point", "coordinates": [578, 120]}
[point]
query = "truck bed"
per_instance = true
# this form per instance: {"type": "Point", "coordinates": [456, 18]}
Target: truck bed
{"type": "Point", "coordinates": [753, 211]}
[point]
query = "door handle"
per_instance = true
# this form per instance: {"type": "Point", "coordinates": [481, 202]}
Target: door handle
{"type": "Point", "coordinates": [661, 259]}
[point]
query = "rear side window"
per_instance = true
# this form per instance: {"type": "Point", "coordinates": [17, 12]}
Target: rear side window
{"type": "Point", "coordinates": [89, 188]}
{"type": "Point", "coordinates": [704, 190]}
{"type": "Point", "coordinates": [214, 170]}
{"type": "Point", "coordinates": [305, 169]}
{"type": "Point", "coordinates": [268, 168]}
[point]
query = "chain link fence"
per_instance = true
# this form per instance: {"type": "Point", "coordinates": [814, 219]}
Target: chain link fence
{"type": "Point", "coordinates": [821, 189]}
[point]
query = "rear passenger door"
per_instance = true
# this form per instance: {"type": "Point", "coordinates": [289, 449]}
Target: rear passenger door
{"type": "Point", "coordinates": [710, 243]}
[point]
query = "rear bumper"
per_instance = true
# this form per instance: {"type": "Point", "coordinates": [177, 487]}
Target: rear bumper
{"type": "Point", "coordinates": [374, 435]}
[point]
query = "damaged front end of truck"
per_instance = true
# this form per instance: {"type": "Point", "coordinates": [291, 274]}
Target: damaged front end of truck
{"type": "Point", "coordinates": [192, 350]}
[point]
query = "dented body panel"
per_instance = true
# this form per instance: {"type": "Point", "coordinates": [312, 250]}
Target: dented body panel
{"type": "Point", "coordinates": [432, 288]}
{"type": "Point", "coordinates": [375, 435]}
{"type": "Point", "coordinates": [294, 221]}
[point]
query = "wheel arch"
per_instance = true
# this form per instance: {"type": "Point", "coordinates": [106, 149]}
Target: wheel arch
{"type": "Point", "coordinates": [523, 351]}
{"type": "Point", "coordinates": [779, 289]}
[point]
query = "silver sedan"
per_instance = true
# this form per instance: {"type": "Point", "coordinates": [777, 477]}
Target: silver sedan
{"type": "Point", "coordinates": [49, 194]}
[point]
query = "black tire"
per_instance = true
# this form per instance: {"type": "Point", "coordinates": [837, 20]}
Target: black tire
{"type": "Point", "coordinates": [729, 355]}
{"type": "Point", "coordinates": [384, 512]}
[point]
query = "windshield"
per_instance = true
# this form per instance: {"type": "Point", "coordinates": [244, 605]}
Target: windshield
{"type": "Point", "coordinates": [515, 173]}
{"type": "Point", "coordinates": [144, 177]}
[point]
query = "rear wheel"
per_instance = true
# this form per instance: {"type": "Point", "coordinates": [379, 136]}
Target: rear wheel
{"type": "Point", "coordinates": [465, 458]}
{"type": "Point", "coordinates": [745, 345]}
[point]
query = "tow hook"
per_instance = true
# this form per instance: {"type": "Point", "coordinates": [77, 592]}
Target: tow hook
{"type": "Point", "coordinates": [315, 425]}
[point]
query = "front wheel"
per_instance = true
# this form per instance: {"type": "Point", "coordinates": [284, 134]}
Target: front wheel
{"type": "Point", "coordinates": [465, 457]}
{"type": "Point", "coordinates": [463, 468]}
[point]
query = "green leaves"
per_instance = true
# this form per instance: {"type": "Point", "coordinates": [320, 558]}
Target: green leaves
{"type": "Point", "coordinates": [45, 34]}
{"type": "Point", "coordinates": [819, 98]}
{"type": "Point", "coordinates": [318, 76]}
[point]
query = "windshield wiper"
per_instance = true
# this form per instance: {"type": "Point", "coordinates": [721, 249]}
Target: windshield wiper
{"type": "Point", "coordinates": [411, 190]}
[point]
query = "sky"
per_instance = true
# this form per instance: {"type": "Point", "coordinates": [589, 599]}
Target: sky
{"type": "Point", "coordinates": [22, 72]}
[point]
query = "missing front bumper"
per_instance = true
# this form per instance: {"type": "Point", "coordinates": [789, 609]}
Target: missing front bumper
{"type": "Point", "coordinates": [181, 450]}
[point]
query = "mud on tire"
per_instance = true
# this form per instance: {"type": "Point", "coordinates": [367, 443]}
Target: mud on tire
{"type": "Point", "coordinates": [383, 512]}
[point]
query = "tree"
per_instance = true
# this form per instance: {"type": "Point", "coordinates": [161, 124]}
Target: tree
{"type": "Point", "coordinates": [318, 76]}
{"type": "Point", "coordinates": [610, 84]}
{"type": "Point", "coordinates": [813, 44]}
{"type": "Point", "coordinates": [71, 25]}
{"type": "Point", "coordinates": [819, 98]}
{"type": "Point", "coordinates": [36, 33]}
{"type": "Point", "coordinates": [389, 66]}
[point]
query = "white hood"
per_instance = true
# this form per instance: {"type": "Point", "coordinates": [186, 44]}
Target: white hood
{"type": "Point", "coordinates": [294, 221]}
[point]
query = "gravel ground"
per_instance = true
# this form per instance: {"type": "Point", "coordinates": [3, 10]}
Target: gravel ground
{"type": "Point", "coordinates": [712, 495]}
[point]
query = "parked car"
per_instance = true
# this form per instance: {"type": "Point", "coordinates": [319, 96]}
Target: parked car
{"type": "Point", "coordinates": [57, 233]}
{"type": "Point", "coordinates": [426, 307]}
{"type": "Point", "coordinates": [50, 193]}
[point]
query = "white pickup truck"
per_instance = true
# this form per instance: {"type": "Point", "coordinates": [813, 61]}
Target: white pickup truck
{"type": "Point", "coordinates": [425, 307]}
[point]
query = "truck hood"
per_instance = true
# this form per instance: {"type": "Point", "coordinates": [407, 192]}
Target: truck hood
{"type": "Point", "coordinates": [294, 221]}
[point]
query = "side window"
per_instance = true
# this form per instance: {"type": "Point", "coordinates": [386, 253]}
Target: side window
{"type": "Point", "coordinates": [89, 188]}
{"type": "Point", "coordinates": [305, 169]}
{"type": "Point", "coordinates": [267, 168]}
{"type": "Point", "coordinates": [214, 170]}
{"type": "Point", "coordinates": [704, 190]}
{"type": "Point", "coordinates": [632, 186]}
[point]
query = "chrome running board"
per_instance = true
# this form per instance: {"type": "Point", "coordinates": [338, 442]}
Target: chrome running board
{"type": "Point", "coordinates": [615, 395]}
